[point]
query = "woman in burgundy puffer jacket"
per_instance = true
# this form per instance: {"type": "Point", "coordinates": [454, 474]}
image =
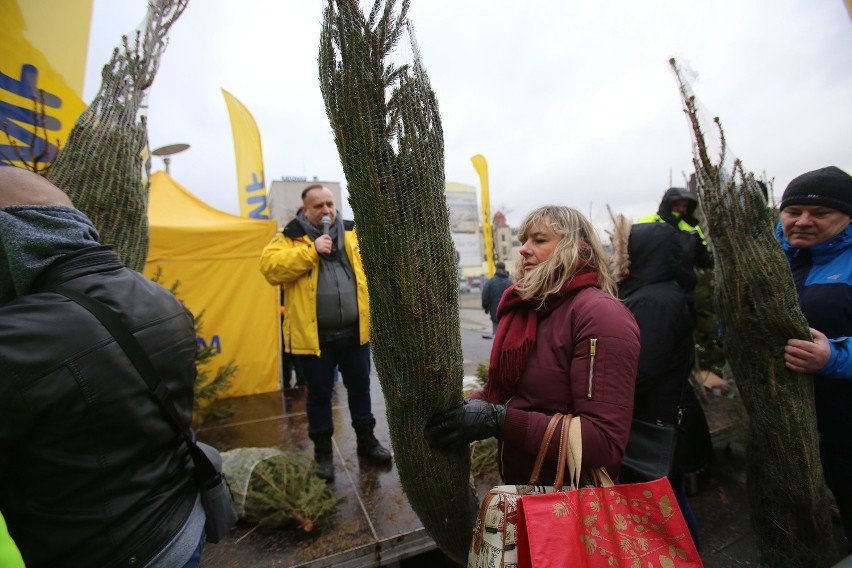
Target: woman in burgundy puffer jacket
{"type": "Point", "coordinates": [564, 344]}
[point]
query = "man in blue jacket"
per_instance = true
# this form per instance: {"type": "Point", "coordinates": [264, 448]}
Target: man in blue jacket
{"type": "Point", "coordinates": [814, 230]}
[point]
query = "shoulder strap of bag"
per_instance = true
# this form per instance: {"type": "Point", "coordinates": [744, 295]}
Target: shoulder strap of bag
{"type": "Point", "coordinates": [159, 390]}
{"type": "Point", "coordinates": [542, 450]}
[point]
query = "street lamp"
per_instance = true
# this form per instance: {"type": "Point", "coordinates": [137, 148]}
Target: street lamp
{"type": "Point", "coordinates": [165, 152]}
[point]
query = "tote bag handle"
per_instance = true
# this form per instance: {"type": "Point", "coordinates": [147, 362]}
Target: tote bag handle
{"type": "Point", "coordinates": [545, 443]}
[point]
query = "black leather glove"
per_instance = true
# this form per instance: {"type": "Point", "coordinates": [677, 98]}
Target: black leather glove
{"type": "Point", "coordinates": [475, 420]}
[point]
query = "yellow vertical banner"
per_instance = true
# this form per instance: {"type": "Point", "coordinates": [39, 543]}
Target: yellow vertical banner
{"type": "Point", "coordinates": [481, 167]}
{"type": "Point", "coordinates": [249, 155]}
{"type": "Point", "coordinates": [42, 68]}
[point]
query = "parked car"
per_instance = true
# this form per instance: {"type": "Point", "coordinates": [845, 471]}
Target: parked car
{"type": "Point", "coordinates": [476, 282]}
{"type": "Point", "coordinates": [464, 287]}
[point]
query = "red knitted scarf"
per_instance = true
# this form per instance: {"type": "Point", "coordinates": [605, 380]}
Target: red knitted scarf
{"type": "Point", "coordinates": [516, 334]}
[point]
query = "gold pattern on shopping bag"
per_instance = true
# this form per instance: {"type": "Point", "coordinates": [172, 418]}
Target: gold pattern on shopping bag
{"type": "Point", "coordinates": [637, 525]}
{"type": "Point", "coordinates": [631, 534]}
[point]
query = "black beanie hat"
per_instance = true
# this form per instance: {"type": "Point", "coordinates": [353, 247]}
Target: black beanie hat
{"type": "Point", "coordinates": [828, 187]}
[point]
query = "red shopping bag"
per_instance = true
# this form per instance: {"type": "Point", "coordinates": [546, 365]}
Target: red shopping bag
{"type": "Point", "coordinates": [633, 525]}
{"type": "Point", "coordinates": [494, 536]}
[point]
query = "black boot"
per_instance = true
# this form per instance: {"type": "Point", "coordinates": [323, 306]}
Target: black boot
{"type": "Point", "coordinates": [368, 446]}
{"type": "Point", "coordinates": [323, 455]}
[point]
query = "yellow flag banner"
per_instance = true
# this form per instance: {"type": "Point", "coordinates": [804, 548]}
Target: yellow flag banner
{"type": "Point", "coordinates": [42, 68]}
{"type": "Point", "coordinates": [480, 164]}
{"type": "Point", "coordinates": [249, 155]}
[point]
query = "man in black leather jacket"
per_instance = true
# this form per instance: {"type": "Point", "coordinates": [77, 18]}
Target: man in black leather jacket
{"type": "Point", "coordinates": [92, 474]}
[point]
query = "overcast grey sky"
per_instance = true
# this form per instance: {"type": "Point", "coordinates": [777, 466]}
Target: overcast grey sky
{"type": "Point", "coordinates": [570, 101]}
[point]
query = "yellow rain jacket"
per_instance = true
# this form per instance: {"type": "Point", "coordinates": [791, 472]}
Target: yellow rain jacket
{"type": "Point", "coordinates": [291, 261]}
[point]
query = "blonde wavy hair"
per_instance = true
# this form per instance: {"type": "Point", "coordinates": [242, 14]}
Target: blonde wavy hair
{"type": "Point", "coordinates": [573, 229]}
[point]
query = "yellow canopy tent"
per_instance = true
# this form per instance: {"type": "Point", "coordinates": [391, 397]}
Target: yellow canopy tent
{"type": "Point", "coordinates": [216, 256]}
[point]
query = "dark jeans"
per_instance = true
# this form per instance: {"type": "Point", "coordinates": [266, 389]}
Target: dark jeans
{"type": "Point", "coordinates": [676, 481]}
{"type": "Point", "coordinates": [353, 362]}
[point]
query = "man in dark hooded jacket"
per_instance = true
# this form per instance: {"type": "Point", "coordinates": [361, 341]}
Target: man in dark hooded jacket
{"type": "Point", "coordinates": [92, 473]}
{"type": "Point", "coordinates": [651, 291]}
{"type": "Point", "coordinates": [677, 209]}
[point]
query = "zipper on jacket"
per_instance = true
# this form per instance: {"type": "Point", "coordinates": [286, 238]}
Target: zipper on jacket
{"type": "Point", "coordinates": [593, 348]}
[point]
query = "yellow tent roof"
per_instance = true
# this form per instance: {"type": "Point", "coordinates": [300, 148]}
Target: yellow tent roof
{"type": "Point", "coordinates": [215, 258]}
{"type": "Point", "coordinates": [183, 226]}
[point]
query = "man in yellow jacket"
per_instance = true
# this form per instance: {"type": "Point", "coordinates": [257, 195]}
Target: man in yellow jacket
{"type": "Point", "coordinates": [317, 261]}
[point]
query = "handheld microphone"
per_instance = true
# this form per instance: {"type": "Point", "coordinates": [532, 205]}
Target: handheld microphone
{"type": "Point", "coordinates": [326, 222]}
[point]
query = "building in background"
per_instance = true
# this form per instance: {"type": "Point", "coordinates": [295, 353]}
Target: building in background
{"type": "Point", "coordinates": [505, 239]}
{"type": "Point", "coordinates": [465, 228]}
{"type": "Point", "coordinates": [285, 196]}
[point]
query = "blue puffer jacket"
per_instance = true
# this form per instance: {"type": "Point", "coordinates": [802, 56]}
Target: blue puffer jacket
{"type": "Point", "coordinates": [823, 276]}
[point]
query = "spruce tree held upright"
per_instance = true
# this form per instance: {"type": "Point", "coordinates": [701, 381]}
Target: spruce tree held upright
{"type": "Point", "coordinates": [104, 165]}
{"type": "Point", "coordinates": [388, 134]}
{"type": "Point", "coordinates": [758, 311]}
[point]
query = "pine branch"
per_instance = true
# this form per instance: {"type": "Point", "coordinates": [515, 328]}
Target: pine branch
{"type": "Point", "coordinates": [207, 392]}
{"type": "Point", "coordinates": [284, 492]}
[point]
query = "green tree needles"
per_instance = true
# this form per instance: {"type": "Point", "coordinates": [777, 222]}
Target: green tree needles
{"type": "Point", "coordinates": [104, 165]}
{"type": "Point", "coordinates": [758, 310]}
{"type": "Point", "coordinates": [388, 134]}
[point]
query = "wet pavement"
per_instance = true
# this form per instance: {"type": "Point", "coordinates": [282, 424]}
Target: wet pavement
{"type": "Point", "coordinates": [374, 525]}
